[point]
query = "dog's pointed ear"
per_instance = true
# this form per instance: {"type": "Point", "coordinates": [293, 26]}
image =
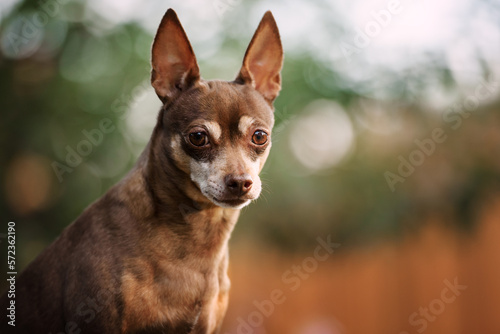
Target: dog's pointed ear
{"type": "Point", "coordinates": [172, 58]}
{"type": "Point", "coordinates": [264, 59]}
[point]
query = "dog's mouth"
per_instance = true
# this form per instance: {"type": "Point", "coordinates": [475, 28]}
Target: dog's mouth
{"type": "Point", "coordinates": [236, 203]}
{"type": "Point", "coordinates": [219, 196]}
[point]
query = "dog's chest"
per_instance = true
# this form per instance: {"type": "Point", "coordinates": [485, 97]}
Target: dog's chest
{"type": "Point", "coordinates": [174, 296]}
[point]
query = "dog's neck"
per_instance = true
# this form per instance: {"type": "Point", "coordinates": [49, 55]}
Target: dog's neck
{"type": "Point", "coordinates": [163, 197]}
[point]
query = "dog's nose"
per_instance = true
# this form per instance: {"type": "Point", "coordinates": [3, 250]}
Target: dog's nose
{"type": "Point", "coordinates": [239, 185]}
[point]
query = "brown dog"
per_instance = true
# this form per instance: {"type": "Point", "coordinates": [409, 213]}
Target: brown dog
{"type": "Point", "coordinates": [151, 255]}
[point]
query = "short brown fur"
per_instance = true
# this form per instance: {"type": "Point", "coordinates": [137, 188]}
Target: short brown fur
{"type": "Point", "coordinates": [151, 255]}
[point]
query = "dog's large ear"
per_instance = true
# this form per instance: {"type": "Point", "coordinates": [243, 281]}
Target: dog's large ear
{"type": "Point", "coordinates": [264, 59]}
{"type": "Point", "coordinates": [173, 60]}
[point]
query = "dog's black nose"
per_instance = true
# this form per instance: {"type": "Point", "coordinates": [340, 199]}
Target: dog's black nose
{"type": "Point", "coordinates": [238, 185]}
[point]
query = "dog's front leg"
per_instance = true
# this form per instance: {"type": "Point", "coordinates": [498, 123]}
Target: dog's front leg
{"type": "Point", "coordinates": [204, 325]}
{"type": "Point", "coordinates": [210, 318]}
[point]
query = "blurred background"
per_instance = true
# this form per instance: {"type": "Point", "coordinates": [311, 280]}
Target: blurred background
{"type": "Point", "coordinates": [387, 143]}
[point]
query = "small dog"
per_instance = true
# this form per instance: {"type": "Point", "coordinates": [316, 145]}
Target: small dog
{"type": "Point", "coordinates": [151, 255]}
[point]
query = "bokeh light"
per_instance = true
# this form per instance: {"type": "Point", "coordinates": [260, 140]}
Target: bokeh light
{"type": "Point", "coordinates": [322, 136]}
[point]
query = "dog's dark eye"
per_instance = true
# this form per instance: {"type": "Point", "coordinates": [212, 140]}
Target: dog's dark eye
{"type": "Point", "coordinates": [198, 138]}
{"type": "Point", "coordinates": [259, 137]}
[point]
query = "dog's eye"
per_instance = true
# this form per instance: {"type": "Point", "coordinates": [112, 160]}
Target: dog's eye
{"type": "Point", "coordinates": [259, 137]}
{"type": "Point", "coordinates": [198, 138]}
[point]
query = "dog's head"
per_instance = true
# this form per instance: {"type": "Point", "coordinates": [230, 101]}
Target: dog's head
{"type": "Point", "coordinates": [217, 133]}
